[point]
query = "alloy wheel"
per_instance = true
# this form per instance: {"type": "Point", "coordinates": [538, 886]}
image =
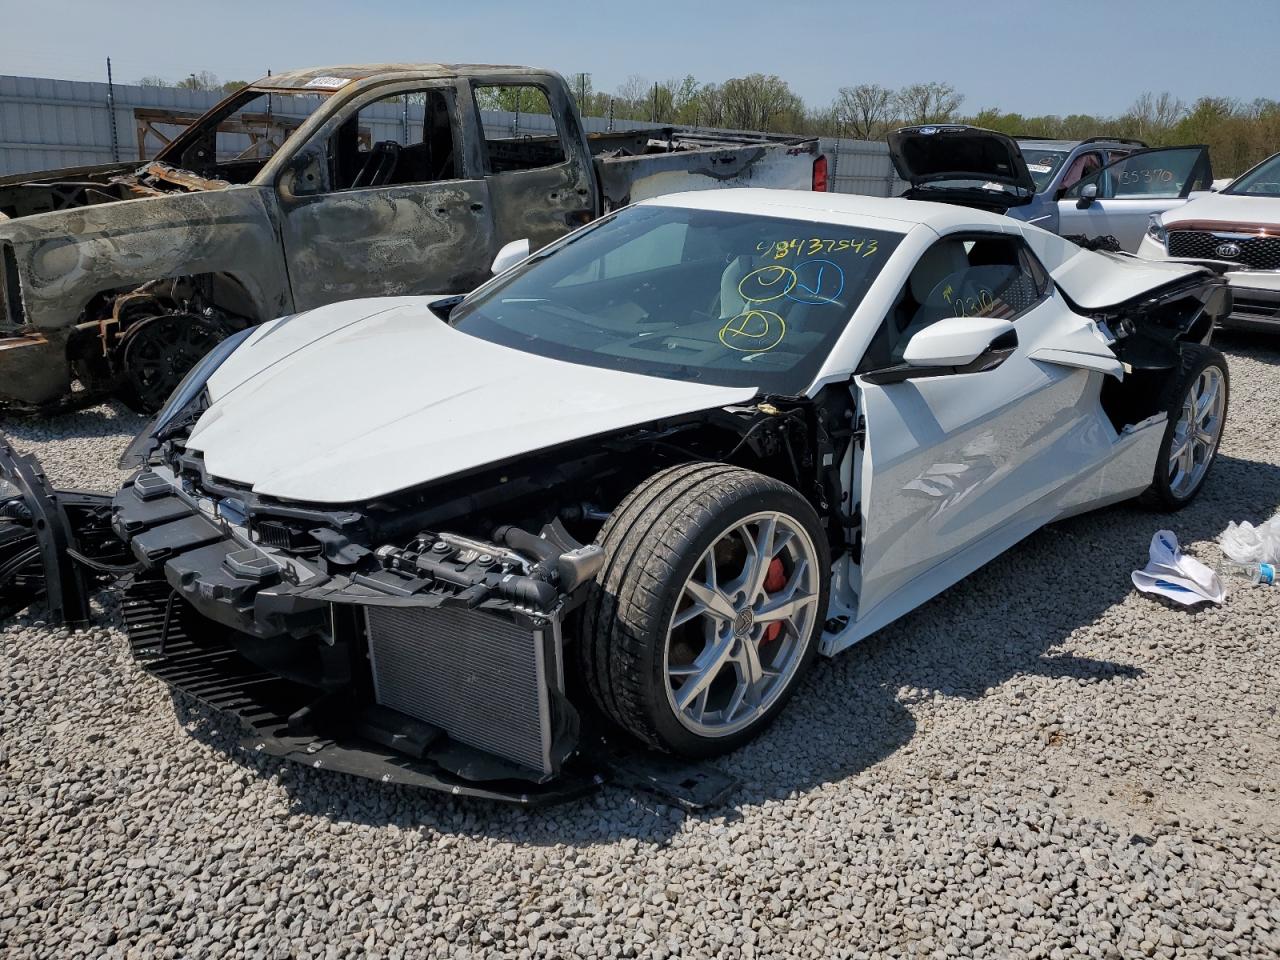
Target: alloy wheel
{"type": "Point", "coordinates": [742, 624]}
{"type": "Point", "coordinates": [1197, 432]}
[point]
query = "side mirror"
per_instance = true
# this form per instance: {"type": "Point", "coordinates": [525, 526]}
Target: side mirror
{"type": "Point", "coordinates": [953, 345]}
{"type": "Point", "coordinates": [1088, 194]}
{"type": "Point", "coordinates": [955, 342]}
{"type": "Point", "coordinates": [510, 254]}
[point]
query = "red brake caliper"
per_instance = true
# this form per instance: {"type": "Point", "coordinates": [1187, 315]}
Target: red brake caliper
{"type": "Point", "coordinates": [774, 580]}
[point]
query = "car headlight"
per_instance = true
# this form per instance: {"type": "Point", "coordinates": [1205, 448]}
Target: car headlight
{"type": "Point", "coordinates": [1156, 230]}
{"type": "Point", "coordinates": [186, 393]}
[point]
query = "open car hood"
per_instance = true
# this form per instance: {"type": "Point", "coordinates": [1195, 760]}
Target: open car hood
{"type": "Point", "coordinates": [953, 162]}
{"type": "Point", "coordinates": [360, 399]}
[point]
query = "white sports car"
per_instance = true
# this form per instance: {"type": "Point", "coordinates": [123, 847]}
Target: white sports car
{"type": "Point", "coordinates": [643, 476]}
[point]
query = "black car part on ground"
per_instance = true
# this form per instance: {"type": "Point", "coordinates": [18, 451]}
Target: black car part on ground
{"type": "Point", "coordinates": [54, 546]}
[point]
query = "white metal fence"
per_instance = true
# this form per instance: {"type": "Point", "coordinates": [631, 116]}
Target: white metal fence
{"type": "Point", "coordinates": [46, 124]}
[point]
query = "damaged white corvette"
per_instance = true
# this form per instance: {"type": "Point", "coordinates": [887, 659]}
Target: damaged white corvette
{"type": "Point", "coordinates": [637, 482]}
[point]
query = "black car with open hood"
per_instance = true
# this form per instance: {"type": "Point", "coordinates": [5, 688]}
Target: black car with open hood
{"type": "Point", "coordinates": [954, 163]}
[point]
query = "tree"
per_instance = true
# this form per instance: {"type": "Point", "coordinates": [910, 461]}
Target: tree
{"type": "Point", "coordinates": [761, 102]}
{"type": "Point", "coordinates": [866, 111]}
{"type": "Point", "coordinates": [686, 100]}
{"type": "Point", "coordinates": [154, 81]}
{"type": "Point", "coordinates": [928, 102]}
{"type": "Point", "coordinates": [1152, 116]}
{"type": "Point", "coordinates": [204, 80]}
{"type": "Point", "coordinates": [631, 99]}
{"type": "Point", "coordinates": [233, 85]}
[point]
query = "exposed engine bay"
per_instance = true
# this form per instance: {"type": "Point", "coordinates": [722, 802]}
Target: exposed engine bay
{"type": "Point", "coordinates": [56, 193]}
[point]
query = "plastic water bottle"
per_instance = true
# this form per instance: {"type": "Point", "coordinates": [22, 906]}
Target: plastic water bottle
{"type": "Point", "coordinates": [1257, 573]}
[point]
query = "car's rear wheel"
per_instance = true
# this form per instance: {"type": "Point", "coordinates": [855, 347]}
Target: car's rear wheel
{"type": "Point", "coordinates": [1196, 399]}
{"type": "Point", "coordinates": [709, 607]}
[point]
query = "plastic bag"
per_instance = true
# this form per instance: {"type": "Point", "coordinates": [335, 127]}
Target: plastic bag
{"type": "Point", "coordinates": [1245, 543]}
{"type": "Point", "coordinates": [1176, 576]}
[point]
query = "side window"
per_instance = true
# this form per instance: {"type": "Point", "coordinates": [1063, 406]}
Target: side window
{"type": "Point", "coordinates": [520, 132]}
{"type": "Point", "coordinates": [401, 139]}
{"type": "Point", "coordinates": [982, 275]}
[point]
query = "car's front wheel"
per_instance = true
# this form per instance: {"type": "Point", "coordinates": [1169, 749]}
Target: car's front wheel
{"type": "Point", "coordinates": [1196, 400]}
{"type": "Point", "coordinates": [709, 607]}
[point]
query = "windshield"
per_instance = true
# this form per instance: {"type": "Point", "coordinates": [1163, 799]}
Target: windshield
{"type": "Point", "coordinates": [1043, 165]}
{"type": "Point", "coordinates": [1262, 181]}
{"type": "Point", "coordinates": [723, 298]}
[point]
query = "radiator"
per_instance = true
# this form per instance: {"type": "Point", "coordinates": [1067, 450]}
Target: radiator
{"type": "Point", "coordinates": [482, 679]}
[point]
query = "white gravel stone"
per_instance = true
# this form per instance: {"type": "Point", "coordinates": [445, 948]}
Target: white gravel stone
{"type": "Point", "coordinates": [1038, 763]}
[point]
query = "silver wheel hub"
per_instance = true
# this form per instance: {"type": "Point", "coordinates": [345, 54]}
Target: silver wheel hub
{"type": "Point", "coordinates": [742, 624]}
{"type": "Point", "coordinates": [1197, 432]}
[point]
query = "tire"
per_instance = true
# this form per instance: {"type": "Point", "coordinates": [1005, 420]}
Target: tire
{"type": "Point", "coordinates": [157, 352]}
{"type": "Point", "coordinates": [642, 623]}
{"type": "Point", "coordinates": [1173, 488]}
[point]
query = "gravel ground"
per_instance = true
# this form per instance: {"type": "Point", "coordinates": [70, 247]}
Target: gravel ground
{"type": "Point", "coordinates": [1039, 763]}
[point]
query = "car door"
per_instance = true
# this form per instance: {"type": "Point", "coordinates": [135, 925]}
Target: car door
{"type": "Point", "coordinates": [386, 199]}
{"type": "Point", "coordinates": [537, 162]}
{"type": "Point", "coordinates": [958, 466]}
{"type": "Point", "coordinates": [1118, 200]}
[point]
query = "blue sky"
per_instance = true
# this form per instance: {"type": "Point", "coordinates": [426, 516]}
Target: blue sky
{"type": "Point", "coordinates": [1089, 56]}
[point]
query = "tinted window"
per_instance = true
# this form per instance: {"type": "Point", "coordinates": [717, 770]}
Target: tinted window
{"type": "Point", "coordinates": [715, 297]}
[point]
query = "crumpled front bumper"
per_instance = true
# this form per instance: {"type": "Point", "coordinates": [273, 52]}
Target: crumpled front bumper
{"type": "Point", "coordinates": [288, 657]}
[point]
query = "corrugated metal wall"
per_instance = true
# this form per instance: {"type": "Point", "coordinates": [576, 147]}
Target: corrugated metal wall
{"type": "Point", "coordinates": [46, 124]}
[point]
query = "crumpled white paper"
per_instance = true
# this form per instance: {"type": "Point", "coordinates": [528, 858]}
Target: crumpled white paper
{"type": "Point", "coordinates": [1245, 543]}
{"type": "Point", "coordinates": [1170, 573]}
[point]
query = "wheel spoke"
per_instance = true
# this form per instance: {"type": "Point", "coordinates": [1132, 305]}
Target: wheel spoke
{"type": "Point", "coordinates": [713, 601]}
{"type": "Point", "coordinates": [709, 664]}
{"type": "Point", "coordinates": [760, 553]}
{"type": "Point", "coordinates": [1188, 458]}
{"type": "Point", "coordinates": [749, 658]}
{"type": "Point", "coordinates": [1204, 402]}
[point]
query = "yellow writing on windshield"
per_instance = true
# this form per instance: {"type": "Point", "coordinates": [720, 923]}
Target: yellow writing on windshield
{"type": "Point", "coordinates": [781, 249]}
{"type": "Point", "coordinates": [753, 331]}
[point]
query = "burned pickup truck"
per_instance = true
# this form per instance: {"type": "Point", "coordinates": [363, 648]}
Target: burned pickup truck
{"type": "Point", "coordinates": [121, 276]}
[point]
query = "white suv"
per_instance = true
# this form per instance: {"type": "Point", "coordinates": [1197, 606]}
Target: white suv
{"type": "Point", "coordinates": [1236, 231]}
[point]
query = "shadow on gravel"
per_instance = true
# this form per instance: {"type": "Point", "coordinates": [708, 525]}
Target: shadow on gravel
{"type": "Point", "coordinates": [854, 711]}
{"type": "Point", "coordinates": [1263, 347]}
